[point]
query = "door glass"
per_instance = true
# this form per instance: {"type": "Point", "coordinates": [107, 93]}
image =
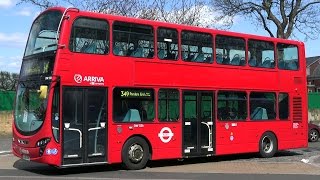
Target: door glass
{"type": "Point", "coordinates": [96, 118]}
{"type": "Point", "coordinates": [190, 120]}
{"type": "Point", "coordinates": [206, 117]}
{"type": "Point", "coordinates": [72, 122]}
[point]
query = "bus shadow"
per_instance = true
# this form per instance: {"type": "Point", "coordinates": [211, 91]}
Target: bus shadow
{"type": "Point", "coordinates": [43, 169]}
{"type": "Point", "coordinates": [225, 158]}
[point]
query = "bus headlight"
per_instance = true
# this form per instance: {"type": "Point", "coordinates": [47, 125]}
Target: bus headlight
{"type": "Point", "coordinates": [43, 142]}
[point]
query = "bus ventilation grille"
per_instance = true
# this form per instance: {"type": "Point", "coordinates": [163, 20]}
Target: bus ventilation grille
{"type": "Point", "coordinates": [297, 109]}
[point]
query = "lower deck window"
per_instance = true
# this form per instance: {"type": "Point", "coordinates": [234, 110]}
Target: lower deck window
{"type": "Point", "coordinates": [133, 105]}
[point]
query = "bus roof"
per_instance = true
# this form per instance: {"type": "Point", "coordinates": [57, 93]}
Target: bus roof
{"type": "Point", "coordinates": [180, 26]}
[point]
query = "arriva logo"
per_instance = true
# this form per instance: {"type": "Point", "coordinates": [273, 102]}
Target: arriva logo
{"type": "Point", "coordinates": [93, 80]}
{"type": "Point", "coordinates": [77, 78]}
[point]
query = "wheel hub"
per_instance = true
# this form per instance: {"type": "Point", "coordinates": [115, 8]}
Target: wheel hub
{"type": "Point", "coordinates": [313, 136]}
{"type": "Point", "coordinates": [267, 144]}
{"type": "Point", "coordinates": [135, 153]}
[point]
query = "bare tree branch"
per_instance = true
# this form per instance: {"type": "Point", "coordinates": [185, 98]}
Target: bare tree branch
{"type": "Point", "coordinates": [286, 15]}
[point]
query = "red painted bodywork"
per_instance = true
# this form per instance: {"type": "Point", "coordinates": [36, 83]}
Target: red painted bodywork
{"type": "Point", "coordinates": [138, 72]}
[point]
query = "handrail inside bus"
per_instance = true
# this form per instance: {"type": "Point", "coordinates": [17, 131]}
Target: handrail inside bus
{"type": "Point", "coordinates": [62, 17]}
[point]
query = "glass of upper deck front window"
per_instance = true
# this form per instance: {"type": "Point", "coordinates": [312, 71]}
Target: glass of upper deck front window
{"type": "Point", "coordinates": [43, 34]}
{"type": "Point", "coordinates": [196, 47]}
{"type": "Point", "coordinates": [261, 54]}
{"type": "Point", "coordinates": [167, 44]}
{"type": "Point", "coordinates": [287, 56]}
{"type": "Point", "coordinates": [133, 40]}
{"type": "Point", "coordinates": [89, 36]}
{"type": "Point", "coordinates": [230, 50]}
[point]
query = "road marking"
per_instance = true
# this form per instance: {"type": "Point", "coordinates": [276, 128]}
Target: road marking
{"type": "Point", "coordinates": [312, 160]}
{"type": "Point", "coordinates": [5, 152]}
{"type": "Point", "coordinates": [41, 177]}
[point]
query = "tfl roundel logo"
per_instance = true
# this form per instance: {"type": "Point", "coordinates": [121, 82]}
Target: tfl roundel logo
{"type": "Point", "coordinates": [165, 135]}
{"type": "Point", "coordinates": [77, 78]}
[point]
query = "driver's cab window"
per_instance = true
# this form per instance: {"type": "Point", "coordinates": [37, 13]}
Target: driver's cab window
{"type": "Point", "coordinates": [261, 54]}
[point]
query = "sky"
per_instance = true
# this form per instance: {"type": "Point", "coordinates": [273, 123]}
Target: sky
{"type": "Point", "coordinates": [16, 21]}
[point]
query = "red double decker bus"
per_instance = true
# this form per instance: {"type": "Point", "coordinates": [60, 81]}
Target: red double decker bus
{"type": "Point", "coordinates": [104, 89]}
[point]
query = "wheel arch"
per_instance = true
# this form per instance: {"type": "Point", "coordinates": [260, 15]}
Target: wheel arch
{"type": "Point", "coordinates": [144, 138]}
{"type": "Point", "coordinates": [316, 130]}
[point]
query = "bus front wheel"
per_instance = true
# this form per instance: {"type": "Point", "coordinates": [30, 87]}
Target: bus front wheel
{"type": "Point", "coordinates": [268, 145]}
{"type": "Point", "coordinates": [135, 153]}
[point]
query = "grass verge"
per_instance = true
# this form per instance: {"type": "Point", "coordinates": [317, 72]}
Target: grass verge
{"type": "Point", "coordinates": [6, 118]}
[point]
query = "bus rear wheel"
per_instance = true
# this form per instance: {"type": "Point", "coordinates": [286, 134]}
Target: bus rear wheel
{"type": "Point", "coordinates": [268, 145]}
{"type": "Point", "coordinates": [135, 153]}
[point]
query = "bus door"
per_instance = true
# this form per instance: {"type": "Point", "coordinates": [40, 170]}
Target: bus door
{"type": "Point", "coordinates": [84, 116]}
{"type": "Point", "coordinates": [198, 125]}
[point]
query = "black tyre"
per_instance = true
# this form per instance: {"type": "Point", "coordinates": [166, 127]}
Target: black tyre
{"type": "Point", "coordinates": [268, 145]}
{"type": "Point", "coordinates": [313, 135]}
{"type": "Point", "coordinates": [135, 153]}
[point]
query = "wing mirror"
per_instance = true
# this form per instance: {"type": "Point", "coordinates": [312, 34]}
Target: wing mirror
{"type": "Point", "coordinates": [43, 91]}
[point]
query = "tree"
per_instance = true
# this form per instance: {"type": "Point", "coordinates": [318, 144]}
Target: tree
{"type": "Point", "coordinates": [286, 15]}
{"type": "Point", "coordinates": [188, 12]}
{"type": "Point", "coordinates": [8, 81]}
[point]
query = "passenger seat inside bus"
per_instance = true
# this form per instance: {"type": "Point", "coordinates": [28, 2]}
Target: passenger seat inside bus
{"type": "Point", "coordinates": [89, 48]}
{"type": "Point", "coordinates": [259, 113]}
{"type": "Point", "coordinates": [199, 58]}
{"type": "Point", "coordinates": [132, 116]}
{"type": "Point", "coordinates": [138, 52]}
{"type": "Point", "coordinates": [235, 60]}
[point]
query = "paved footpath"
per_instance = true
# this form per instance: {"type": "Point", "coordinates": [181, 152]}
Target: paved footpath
{"type": "Point", "coordinates": [9, 161]}
{"type": "Point", "coordinates": [5, 145]}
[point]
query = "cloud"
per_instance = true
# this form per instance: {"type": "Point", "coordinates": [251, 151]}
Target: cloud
{"type": "Point", "coordinates": [7, 3]}
{"type": "Point", "coordinates": [10, 64]}
{"type": "Point", "coordinates": [13, 39]}
{"type": "Point", "coordinates": [24, 12]}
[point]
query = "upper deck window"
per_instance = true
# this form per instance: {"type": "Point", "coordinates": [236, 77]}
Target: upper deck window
{"type": "Point", "coordinates": [90, 36]}
{"type": "Point", "coordinates": [230, 50]}
{"type": "Point", "coordinates": [287, 56]}
{"type": "Point", "coordinates": [261, 54]}
{"type": "Point", "coordinates": [196, 47]}
{"type": "Point", "coordinates": [43, 33]}
{"type": "Point", "coordinates": [133, 40]}
{"type": "Point", "coordinates": [167, 44]}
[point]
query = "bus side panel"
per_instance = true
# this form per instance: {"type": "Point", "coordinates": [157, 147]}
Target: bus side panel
{"type": "Point", "coordinates": [244, 137]}
{"type": "Point", "coordinates": [161, 149]}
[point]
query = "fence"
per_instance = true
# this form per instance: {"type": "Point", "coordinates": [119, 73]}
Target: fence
{"type": "Point", "coordinates": [313, 101]}
{"type": "Point", "coordinates": [6, 100]}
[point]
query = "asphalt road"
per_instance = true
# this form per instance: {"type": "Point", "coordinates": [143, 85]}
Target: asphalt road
{"type": "Point", "coordinates": [286, 165]}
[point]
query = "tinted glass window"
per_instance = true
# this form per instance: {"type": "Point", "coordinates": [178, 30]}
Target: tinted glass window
{"type": "Point", "coordinates": [196, 47]}
{"type": "Point", "coordinates": [55, 114]}
{"type": "Point", "coordinates": [230, 50]}
{"type": "Point", "coordinates": [168, 105]}
{"type": "Point", "coordinates": [167, 44]}
{"type": "Point", "coordinates": [133, 105]}
{"type": "Point", "coordinates": [43, 33]}
{"type": "Point", "coordinates": [90, 36]}
{"type": "Point", "coordinates": [283, 105]}
{"type": "Point", "coordinates": [133, 40]}
{"type": "Point", "coordinates": [262, 106]}
{"type": "Point", "coordinates": [287, 57]}
{"type": "Point", "coordinates": [232, 105]}
{"type": "Point", "coordinates": [261, 54]}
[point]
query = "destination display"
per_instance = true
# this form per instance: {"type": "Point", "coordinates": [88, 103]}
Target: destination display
{"type": "Point", "coordinates": [136, 93]}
